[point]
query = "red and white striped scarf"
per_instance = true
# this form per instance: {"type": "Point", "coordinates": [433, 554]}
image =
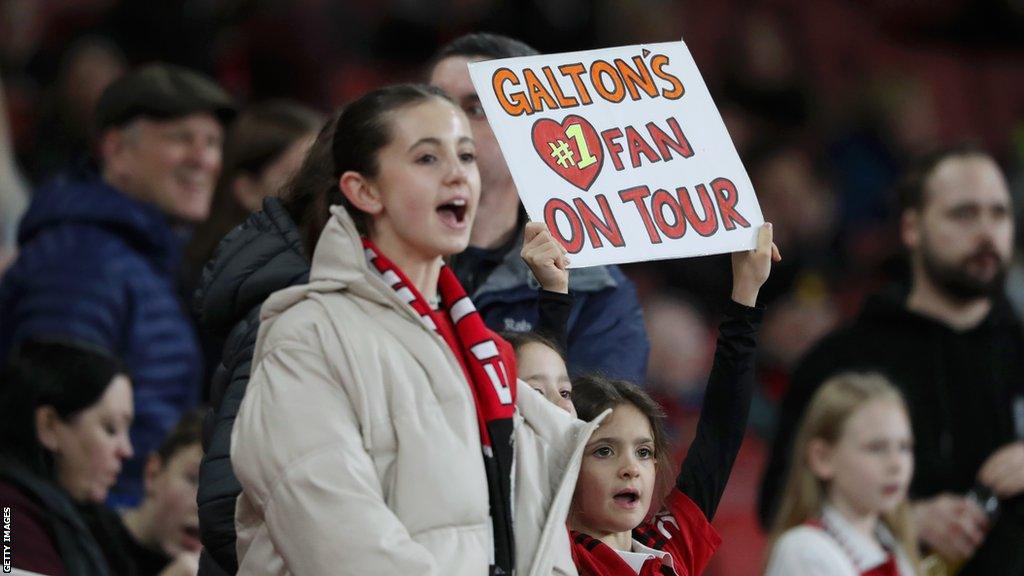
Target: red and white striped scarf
{"type": "Point", "coordinates": [491, 379]}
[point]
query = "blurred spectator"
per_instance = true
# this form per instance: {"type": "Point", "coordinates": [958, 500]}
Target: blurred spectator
{"type": "Point", "coordinates": [605, 332]}
{"type": "Point", "coordinates": [540, 364]}
{"type": "Point", "coordinates": [844, 509]}
{"type": "Point", "coordinates": [792, 325]}
{"type": "Point", "coordinates": [682, 349]}
{"type": "Point", "coordinates": [955, 349]}
{"type": "Point", "coordinates": [99, 256]}
{"type": "Point", "coordinates": [796, 200]}
{"type": "Point", "coordinates": [740, 124]}
{"type": "Point", "coordinates": [893, 118]}
{"type": "Point", "coordinates": [263, 147]}
{"type": "Point", "coordinates": [66, 124]}
{"type": "Point", "coordinates": [21, 29]}
{"type": "Point", "coordinates": [1015, 276]}
{"type": "Point", "coordinates": [794, 197]}
{"type": "Point", "coordinates": [63, 438]}
{"type": "Point", "coordinates": [765, 75]}
{"type": "Point", "coordinates": [161, 536]}
{"type": "Point", "coordinates": [13, 196]}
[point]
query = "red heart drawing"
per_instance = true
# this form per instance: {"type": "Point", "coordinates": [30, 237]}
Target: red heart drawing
{"type": "Point", "coordinates": [572, 149]}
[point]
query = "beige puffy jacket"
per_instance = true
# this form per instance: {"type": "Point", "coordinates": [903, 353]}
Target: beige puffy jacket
{"type": "Point", "coordinates": [357, 444]}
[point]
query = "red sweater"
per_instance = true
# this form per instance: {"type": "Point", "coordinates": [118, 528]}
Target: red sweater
{"type": "Point", "coordinates": [682, 530]}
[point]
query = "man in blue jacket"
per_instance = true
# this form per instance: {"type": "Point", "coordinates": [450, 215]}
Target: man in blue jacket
{"type": "Point", "coordinates": [99, 252]}
{"type": "Point", "coordinates": [606, 329]}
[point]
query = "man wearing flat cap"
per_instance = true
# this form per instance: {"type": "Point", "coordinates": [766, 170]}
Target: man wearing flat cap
{"type": "Point", "coordinates": [99, 252]}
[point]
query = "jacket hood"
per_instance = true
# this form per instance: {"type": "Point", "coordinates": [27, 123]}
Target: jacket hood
{"type": "Point", "coordinates": [261, 256]}
{"type": "Point", "coordinates": [92, 202]}
{"type": "Point", "coordinates": [339, 263]}
{"type": "Point", "coordinates": [564, 438]}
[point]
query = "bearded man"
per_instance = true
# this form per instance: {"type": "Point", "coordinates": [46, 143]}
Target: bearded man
{"type": "Point", "coordinates": [954, 347]}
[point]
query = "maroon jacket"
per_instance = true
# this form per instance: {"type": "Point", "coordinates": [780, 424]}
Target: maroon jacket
{"type": "Point", "coordinates": [32, 544]}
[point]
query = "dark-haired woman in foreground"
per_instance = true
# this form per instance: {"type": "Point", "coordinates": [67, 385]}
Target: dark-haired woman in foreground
{"type": "Point", "coordinates": [63, 438]}
{"type": "Point", "coordinates": [378, 432]}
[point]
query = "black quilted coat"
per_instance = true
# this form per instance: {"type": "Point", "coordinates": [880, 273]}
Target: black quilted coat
{"type": "Point", "coordinates": [261, 256]}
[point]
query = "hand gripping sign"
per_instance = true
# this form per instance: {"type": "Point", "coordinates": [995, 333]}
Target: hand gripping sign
{"type": "Point", "coordinates": [621, 151]}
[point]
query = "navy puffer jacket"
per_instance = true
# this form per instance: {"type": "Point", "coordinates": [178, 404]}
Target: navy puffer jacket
{"type": "Point", "coordinates": [98, 267]}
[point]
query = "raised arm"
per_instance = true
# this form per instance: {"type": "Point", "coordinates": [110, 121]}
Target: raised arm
{"type": "Point", "coordinates": [608, 334]}
{"type": "Point", "coordinates": [549, 263]}
{"type": "Point", "coordinates": [723, 418]}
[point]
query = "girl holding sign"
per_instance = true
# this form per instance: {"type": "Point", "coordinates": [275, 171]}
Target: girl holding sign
{"type": "Point", "coordinates": [626, 460]}
{"type": "Point", "coordinates": [379, 427]}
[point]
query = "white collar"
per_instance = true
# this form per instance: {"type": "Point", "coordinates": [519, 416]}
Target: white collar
{"type": "Point", "coordinates": [864, 552]}
{"type": "Point", "coordinates": [640, 554]}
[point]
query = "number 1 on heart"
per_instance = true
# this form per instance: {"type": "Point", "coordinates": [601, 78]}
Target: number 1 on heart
{"type": "Point", "coordinates": [586, 158]}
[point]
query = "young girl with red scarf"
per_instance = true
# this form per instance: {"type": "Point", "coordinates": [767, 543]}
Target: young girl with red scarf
{"type": "Point", "coordinates": [383, 430]}
{"type": "Point", "coordinates": [844, 510]}
{"type": "Point", "coordinates": [625, 462]}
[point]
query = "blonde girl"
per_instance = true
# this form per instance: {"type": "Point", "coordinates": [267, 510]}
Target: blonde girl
{"type": "Point", "coordinates": [844, 510]}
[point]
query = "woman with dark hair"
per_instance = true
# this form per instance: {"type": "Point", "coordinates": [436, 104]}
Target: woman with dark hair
{"type": "Point", "coordinates": [379, 428]}
{"type": "Point", "coordinates": [63, 438]}
{"type": "Point", "coordinates": [263, 148]}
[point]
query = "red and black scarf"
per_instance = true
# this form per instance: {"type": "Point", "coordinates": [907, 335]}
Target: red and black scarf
{"type": "Point", "coordinates": [491, 379]}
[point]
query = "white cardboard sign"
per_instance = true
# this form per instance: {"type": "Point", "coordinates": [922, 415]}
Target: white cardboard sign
{"type": "Point", "coordinates": [621, 151]}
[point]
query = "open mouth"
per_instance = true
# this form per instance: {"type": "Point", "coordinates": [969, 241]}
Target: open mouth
{"type": "Point", "coordinates": [453, 213]}
{"type": "Point", "coordinates": [628, 497]}
{"type": "Point", "coordinates": [191, 540]}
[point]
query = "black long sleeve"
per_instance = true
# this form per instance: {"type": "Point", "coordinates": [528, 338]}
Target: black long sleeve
{"type": "Point", "coordinates": [553, 310]}
{"type": "Point", "coordinates": [723, 417]}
